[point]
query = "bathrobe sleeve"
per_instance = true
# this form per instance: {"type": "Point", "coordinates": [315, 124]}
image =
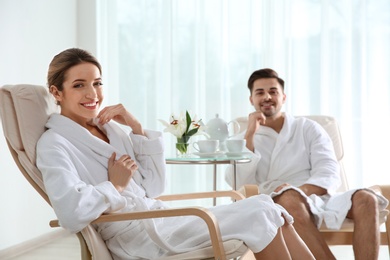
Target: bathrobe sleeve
{"type": "Point", "coordinates": [149, 153]}
{"type": "Point", "coordinates": [325, 170]}
{"type": "Point", "coordinates": [75, 202]}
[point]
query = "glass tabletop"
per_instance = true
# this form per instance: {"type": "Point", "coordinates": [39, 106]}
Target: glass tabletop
{"type": "Point", "coordinates": [223, 158]}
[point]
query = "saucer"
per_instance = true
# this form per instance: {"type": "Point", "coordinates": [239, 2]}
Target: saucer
{"type": "Point", "coordinates": [238, 154]}
{"type": "Point", "coordinates": [210, 155]}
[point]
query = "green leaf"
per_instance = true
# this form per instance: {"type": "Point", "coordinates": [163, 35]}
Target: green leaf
{"type": "Point", "coordinates": [192, 132]}
{"type": "Point", "coordinates": [188, 121]}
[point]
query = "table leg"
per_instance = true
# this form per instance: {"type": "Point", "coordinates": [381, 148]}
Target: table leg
{"type": "Point", "coordinates": [234, 175]}
{"type": "Point", "coordinates": [215, 183]}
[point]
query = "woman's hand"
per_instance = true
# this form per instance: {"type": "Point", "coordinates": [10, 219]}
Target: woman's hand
{"type": "Point", "coordinates": [119, 114]}
{"type": "Point", "coordinates": [121, 171]}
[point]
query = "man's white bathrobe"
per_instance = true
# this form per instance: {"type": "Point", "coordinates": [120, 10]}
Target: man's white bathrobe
{"type": "Point", "coordinates": [302, 153]}
{"type": "Point", "coordinates": [74, 167]}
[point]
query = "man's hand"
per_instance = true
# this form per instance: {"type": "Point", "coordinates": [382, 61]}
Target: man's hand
{"type": "Point", "coordinates": [255, 119]}
{"type": "Point", "coordinates": [309, 189]}
{"type": "Point", "coordinates": [121, 171]}
{"type": "Point", "coordinates": [280, 187]}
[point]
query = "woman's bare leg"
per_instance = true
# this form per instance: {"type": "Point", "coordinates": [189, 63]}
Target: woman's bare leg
{"type": "Point", "coordinates": [277, 249]}
{"type": "Point", "coordinates": [297, 248]}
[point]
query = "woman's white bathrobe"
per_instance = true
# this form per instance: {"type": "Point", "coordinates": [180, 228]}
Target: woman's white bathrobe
{"type": "Point", "coordinates": [74, 168]}
{"type": "Point", "coordinates": [302, 153]}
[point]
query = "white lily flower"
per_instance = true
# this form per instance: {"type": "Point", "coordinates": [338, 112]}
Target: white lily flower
{"type": "Point", "coordinates": [180, 128]}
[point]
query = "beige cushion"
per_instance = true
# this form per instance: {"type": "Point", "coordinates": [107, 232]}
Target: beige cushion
{"type": "Point", "coordinates": [331, 127]}
{"type": "Point", "coordinates": [26, 107]}
{"type": "Point", "coordinates": [10, 124]}
{"type": "Point", "coordinates": [32, 104]}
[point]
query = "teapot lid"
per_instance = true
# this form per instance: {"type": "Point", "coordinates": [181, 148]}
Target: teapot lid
{"type": "Point", "coordinates": [216, 122]}
{"type": "Point", "coordinates": [217, 119]}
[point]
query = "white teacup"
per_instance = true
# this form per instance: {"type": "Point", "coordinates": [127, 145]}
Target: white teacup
{"type": "Point", "coordinates": [206, 146]}
{"type": "Point", "coordinates": [235, 145]}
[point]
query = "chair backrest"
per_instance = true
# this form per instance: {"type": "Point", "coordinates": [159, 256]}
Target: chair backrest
{"type": "Point", "coordinates": [24, 111]}
{"type": "Point", "coordinates": [331, 127]}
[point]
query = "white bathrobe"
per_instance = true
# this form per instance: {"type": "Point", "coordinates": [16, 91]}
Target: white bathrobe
{"type": "Point", "coordinates": [74, 168]}
{"type": "Point", "coordinates": [302, 153]}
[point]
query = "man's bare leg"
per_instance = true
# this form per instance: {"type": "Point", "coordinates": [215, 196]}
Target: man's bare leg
{"type": "Point", "coordinates": [365, 213]}
{"type": "Point", "coordinates": [294, 203]}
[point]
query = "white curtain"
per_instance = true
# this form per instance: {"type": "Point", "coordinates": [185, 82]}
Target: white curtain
{"type": "Point", "coordinates": [334, 55]}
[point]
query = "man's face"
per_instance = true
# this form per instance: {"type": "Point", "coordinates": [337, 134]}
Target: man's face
{"type": "Point", "coordinates": [268, 97]}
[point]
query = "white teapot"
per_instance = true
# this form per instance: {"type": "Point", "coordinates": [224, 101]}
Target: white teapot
{"type": "Point", "coordinates": [218, 129]}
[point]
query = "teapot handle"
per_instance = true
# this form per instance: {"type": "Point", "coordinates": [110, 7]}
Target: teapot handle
{"type": "Point", "coordinates": [236, 127]}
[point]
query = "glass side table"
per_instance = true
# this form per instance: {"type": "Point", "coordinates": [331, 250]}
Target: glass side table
{"type": "Point", "coordinates": [222, 159]}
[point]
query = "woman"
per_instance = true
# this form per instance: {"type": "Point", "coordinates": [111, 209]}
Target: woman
{"type": "Point", "coordinates": [90, 166]}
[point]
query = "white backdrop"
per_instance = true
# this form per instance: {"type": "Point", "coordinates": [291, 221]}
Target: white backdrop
{"type": "Point", "coordinates": [31, 33]}
{"type": "Point", "coordinates": [176, 55]}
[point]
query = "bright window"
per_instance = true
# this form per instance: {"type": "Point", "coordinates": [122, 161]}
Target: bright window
{"type": "Point", "coordinates": [333, 55]}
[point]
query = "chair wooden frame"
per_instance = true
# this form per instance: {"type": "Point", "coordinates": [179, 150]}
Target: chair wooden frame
{"type": "Point", "coordinates": [203, 213]}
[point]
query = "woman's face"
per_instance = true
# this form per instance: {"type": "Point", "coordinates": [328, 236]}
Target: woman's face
{"type": "Point", "coordinates": [82, 93]}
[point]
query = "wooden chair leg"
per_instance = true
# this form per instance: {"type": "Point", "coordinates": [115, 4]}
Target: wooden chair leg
{"type": "Point", "coordinates": [85, 254]}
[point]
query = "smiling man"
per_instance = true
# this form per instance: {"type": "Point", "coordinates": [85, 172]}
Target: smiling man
{"type": "Point", "coordinates": [294, 161]}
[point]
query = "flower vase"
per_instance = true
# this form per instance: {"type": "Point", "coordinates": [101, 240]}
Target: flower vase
{"type": "Point", "coordinates": [182, 147]}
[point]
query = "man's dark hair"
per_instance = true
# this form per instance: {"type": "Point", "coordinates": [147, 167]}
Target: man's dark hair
{"type": "Point", "coordinates": [264, 74]}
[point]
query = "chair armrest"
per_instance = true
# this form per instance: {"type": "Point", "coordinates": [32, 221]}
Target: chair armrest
{"type": "Point", "coordinates": [203, 213]}
{"type": "Point", "coordinates": [249, 190]}
{"type": "Point", "coordinates": [382, 189]}
{"type": "Point", "coordinates": [376, 188]}
{"type": "Point", "coordinates": [203, 195]}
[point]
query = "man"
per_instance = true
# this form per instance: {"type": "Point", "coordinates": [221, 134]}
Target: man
{"type": "Point", "coordinates": [294, 161]}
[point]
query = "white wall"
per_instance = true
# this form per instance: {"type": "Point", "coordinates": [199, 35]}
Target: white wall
{"type": "Point", "coordinates": [31, 33]}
